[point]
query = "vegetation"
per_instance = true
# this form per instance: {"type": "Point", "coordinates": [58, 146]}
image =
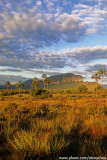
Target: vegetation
{"type": "Point", "coordinates": [83, 89]}
{"type": "Point", "coordinates": [35, 82]}
{"type": "Point", "coordinates": [8, 84]}
{"type": "Point", "coordinates": [48, 124]}
{"type": "Point", "coordinates": [96, 76]}
{"type": "Point", "coordinates": [48, 81]}
{"type": "Point", "coordinates": [65, 124]}
{"type": "Point", "coordinates": [99, 75]}
{"type": "Point", "coordinates": [40, 93]}
{"type": "Point", "coordinates": [102, 72]}
{"type": "Point", "coordinates": [44, 77]}
{"type": "Point", "coordinates": [19, 85]}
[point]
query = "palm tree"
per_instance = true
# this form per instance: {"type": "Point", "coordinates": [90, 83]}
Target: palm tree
{"type": "Point", "coordinates": [97, 77]}
{"type": "Point", "coordinates": [102, 72]}
{"type": "Point", "coordinates": [44, 77]}
{"type": "Point", "coordinates": [19, 85]}
{"type": "Point", "coordinates": [35, 82]}
{"type": "Point", "coordinates": [8, 84]}
{"type": "Point", "coordinates": [47, 81]}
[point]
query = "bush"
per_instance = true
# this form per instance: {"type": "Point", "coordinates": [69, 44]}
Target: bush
{"type": "Point", "coordinates": [83, 89]}
{"type": "Point", "coordinates": [43, 110]}
{"type": "Point", "coordinates": [98, 88]}
{"type": "Point", "coordinates": [40, 93]}
{"type": "Point", "coordinates": [68, 91]}
{"type": "Point", "coordinates": [36, 92]}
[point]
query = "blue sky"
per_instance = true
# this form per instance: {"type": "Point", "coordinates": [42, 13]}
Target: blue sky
{"type": "Point", "coordinates": [52, 37]}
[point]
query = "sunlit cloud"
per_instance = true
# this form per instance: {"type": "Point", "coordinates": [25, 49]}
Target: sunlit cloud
{"type": "Point", "coordinates": [44, 36]}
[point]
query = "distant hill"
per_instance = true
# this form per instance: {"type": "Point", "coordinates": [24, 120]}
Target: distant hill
{"type": "Point", "coordinates": [12, 78]}
{"type": "Point", "coordinates": [63, 81]}
{"type": "Point", "coordinates": [57, 81]}
{"type": "Point", "coordinates": [2, 87]}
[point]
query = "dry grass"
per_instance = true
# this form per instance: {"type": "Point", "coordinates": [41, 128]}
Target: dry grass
{"type": "Point", "coordinates": [67, 124]}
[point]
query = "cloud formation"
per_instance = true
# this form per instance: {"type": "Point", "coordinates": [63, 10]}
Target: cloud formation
{"type": "Point", "coordinates": [29, 29]}
{"type": "Point", "coordinates": [96, 67]}
{"type": "Point", "coordinates": [52, 60]}
{"type": "Point", "coordinates": [33, 23]}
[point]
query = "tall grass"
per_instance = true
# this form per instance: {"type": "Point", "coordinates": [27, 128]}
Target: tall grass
{"type": "Point", "coordinates": [47, 129]}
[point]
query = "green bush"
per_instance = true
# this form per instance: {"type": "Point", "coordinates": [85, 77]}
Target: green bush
{"type": "Point", "coordinates": [40, 93]}
{"type": "Point", "coordinates": [70, 91]}
{"type": "Point", "coordinates": [36, 92]}
{"type": "Point", "coordinates": [83, 89]}
{"type": "Point", "coordinates": [98, 88]}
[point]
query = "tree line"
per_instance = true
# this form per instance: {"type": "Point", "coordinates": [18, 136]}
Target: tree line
{"type": "Point", "coordinates": [35, 81]}
{"type": "Point", "coordinates": [46, 81]}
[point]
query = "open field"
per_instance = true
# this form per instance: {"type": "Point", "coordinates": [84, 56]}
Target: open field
{"type": "Point", "coordinates": [60, 125]}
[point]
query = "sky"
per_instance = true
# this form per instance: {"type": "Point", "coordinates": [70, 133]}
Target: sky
{"type": "Point", "coordinates": [52, 37]}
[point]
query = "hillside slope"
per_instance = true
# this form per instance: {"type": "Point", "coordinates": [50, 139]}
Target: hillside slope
{"type": "Point", "coordinates": [63, 81]}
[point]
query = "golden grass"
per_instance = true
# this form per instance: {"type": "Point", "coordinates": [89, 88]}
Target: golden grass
{"type": "Point", "coordinates": [38, 128]}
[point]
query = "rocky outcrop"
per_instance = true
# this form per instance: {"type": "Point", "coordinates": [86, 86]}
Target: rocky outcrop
{"type": "Point", "coordinates": [66, 78]}
{"type": "Point", "coordinates": [62, 81]}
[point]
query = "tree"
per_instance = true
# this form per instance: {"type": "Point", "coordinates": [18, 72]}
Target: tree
{"type": "Point", "coordinates": [102, 72]}
{"type": "Point", "coordinates": [83, 89]}
{"type": "Point", "coordinates": [19, 85]}
{"type": "Point", "coordinates": [97, 77]}
{"type": "Point", "coordinates": [44, 77]}
{"type": "Point", "coordinates": [35, 82]}
{"type": "Point", "coordinates": [47, 81]}
{"type": "Point", "coordinates": [8, 84]}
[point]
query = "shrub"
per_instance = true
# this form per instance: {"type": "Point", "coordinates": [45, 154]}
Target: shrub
{"type": "Point", "coordinates": [98, 88]}
{"type": "Point", "coordinates": [36, 92]}
{"type": "Point", "coordinates": [70, 91]}
{"type": "Point", "coordinates": [43, 110]}
{"type": "Point", "coordinates": [83, 89]}
{"type": "Point", "coordinates": [40, 93]}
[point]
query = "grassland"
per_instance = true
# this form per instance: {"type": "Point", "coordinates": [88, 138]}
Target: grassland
{"type": "Point", "coordinates": [48, 127]}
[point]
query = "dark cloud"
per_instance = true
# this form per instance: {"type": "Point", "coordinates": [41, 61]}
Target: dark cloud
{"type": "Point", "coordinates": [96, 67]}
{"type": "Point", "coordinates": [89, 54]}
{"type": "Point", "coordinates": [52, 60]}
{"type": "Point", "coordinates": [10, 70]}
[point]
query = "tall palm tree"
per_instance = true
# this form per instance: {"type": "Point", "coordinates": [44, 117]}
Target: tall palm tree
{"type": "Point", "coordinates": [47, 81]}
{"type": "Point", "coordinates": [97, 77]}
{"type": "Point", "coordinates": [35, 82]}
{"type": "Point", "coordinates": [8, 84]}
{"type": "Point", "coordinates": [102, 72]}
{"type": "Point", "coordinates": [19, 85]}
{"type": "Point", "coordinates": [44, 77]}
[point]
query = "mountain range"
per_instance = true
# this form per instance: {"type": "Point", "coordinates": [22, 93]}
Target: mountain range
{"type": "Point", "coordinates": [62, 81]}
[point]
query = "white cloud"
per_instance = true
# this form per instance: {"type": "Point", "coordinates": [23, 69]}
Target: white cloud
{"type": "Point", "coordinates": [39, 3]}
{"type": "Point", "coordinates": [92, 17]}
{"type": "Point", "coordinates": [51, 60]}
{"type": "Point", "coordinates": [25, 30]}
